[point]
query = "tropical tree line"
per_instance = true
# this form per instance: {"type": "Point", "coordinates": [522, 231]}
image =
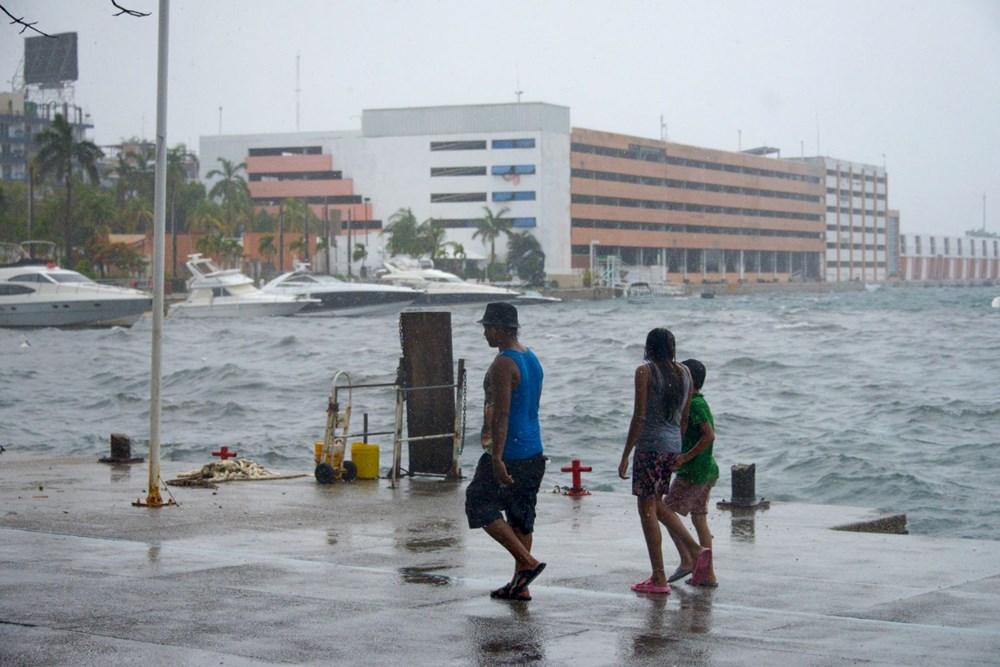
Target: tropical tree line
{"type": "Point", "coordinates": [405, 235]}
{"type": "Point", "coordinates": [72, 206]}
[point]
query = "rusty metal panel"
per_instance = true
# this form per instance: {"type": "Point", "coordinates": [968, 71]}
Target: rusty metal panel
{"type": "Point", "coordinates": [427, 361]}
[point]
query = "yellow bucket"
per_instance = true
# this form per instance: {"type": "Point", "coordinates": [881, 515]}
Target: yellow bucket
{"type": "Point", "coordinates": [318, 446]}
{"type": "Point", "coordinates": [365, 457]}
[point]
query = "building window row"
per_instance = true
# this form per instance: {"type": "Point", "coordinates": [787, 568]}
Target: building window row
{"type": "Point", "coordinates": [624, 202]}
{"type": "Point", "coordinates": [659, 155]}
{"type": "Point", "coordinates": [495, 170]}
{"type": "Point", "coordinates": [480, 144]}
{"type": "Point", "coordinates": [690, 185]}
{"type": "Point", "coordinates": [288, 150]}
{"type": "Point", "coordinates": [833, 264]}
{"type": "Point", "coordinates": [832, 245]}
{"type": "Point", "coordinates": [262, 177]}
{"type": "Point", "coordinates": [846, 176]}
{"type": "Point", "coordinates": [846, 210]}
{"type": "Point", "coordinates": [314, 199]}
{"type": "Point", "coordinates": [512, 169]}
{"type": "Point", "coordinates": [521, 195]}
{"type": "Point", "coordinates": [473, 223]}
{"type": "Point", "coordinates": [586, 223]}
{"type": "Point", "coordinates": [847, 194]}
{"type": "Point", "coordinates": [457, 171]}
{"type": "Point", "coordinates": [513, 143]}
{"type": "Point", "coordinates": [857, 230]}
{"type": "Point", "coordinates": [456, 197]}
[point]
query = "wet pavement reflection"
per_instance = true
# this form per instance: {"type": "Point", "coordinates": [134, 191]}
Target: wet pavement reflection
{"type": "Point", "coordinates": [514, 640]}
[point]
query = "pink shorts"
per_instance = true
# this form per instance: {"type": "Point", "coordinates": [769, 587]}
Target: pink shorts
{"type": "Point", "coordinates": [685, 497]}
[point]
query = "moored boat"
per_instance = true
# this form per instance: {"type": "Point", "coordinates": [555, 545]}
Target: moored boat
{"type": "Point", "coordinates": [339, 298]}
{"type": "Point", "coordinates": [36, 292]}
{"type": "Point", "coordinates": [215, 292]}
{"type": "Point", "coordinates": [441, 288]}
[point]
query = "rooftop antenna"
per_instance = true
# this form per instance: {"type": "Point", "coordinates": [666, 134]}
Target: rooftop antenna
{"type": "Point", "coordinates": [517, 81]}
{"type": "Point", "coordinates": [297, 91]}
{"type": "Point", "coordinates": [984, 211]}
{"type": "Point", "coordinates": [663, 129]}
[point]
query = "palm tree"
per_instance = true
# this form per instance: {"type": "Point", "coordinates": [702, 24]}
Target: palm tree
{"type": "Point", "coordinates": [176, 177]}
{"type": "Point", "coordinates": [430, 235]}
{"type": "Point", "coordinates": [298, 247]}
{"type": "Point", "coordinates": [491, 227]}
{"type": "Point", "coordinates": [232, 250]}
{"type": "Point", "coordinates": [266, 249]}
{"type": "Point", "coordinates": [137, 215]}
{"type": "Point", "coordinates": [525, 258]}
{"type": "Point", "coordinates": [207, 219]}
{"type": "Point", "coordinates": [403, 234]}
{"type": "Point", "coordinates": [208, 245]}
{"type": "Point", "coordinates": [231, 190]}
{"type": "Point", "coordinates": [57, 153]}
{"type": "Point", "coordinates": [457, 256]}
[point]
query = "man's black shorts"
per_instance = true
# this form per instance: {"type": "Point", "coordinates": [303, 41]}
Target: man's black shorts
{"type": "Point", "coordinates": [485, 499]}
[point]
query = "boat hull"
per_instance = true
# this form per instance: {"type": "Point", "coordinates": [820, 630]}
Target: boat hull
{"type": "Point", "coordinates": [96, 313]}
{"type": "Point", "coordinates": [356, 304]}
{"type": "Point", "coordinates": [239, 309]}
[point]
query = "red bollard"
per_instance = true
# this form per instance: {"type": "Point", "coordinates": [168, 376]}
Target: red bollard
{"type": "Point", "coordinates": [577, 488]}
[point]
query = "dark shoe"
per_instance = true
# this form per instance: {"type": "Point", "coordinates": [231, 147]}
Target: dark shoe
{"type": "Point", "coordinates": [523, 578]}
{"type": "Point", "coordinates": [505, 593]}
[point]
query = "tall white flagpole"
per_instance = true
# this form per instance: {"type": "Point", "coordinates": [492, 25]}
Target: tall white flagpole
{"type": "Point", "coordinates": [153, 498]}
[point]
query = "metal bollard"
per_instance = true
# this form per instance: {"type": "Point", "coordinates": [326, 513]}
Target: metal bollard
{"type": "Point", "coordinates": [744, 489]}
{"type": "Point", "coordinates": [121, 450]}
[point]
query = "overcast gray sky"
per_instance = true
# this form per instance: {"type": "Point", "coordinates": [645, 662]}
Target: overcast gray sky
{"type": "Point", "coordinates": [914, 84]}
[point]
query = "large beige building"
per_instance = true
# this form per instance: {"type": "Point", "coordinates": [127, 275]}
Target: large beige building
{"type": "Point", "coordinates": [629, 208]}
{"type": "Point", "coordinates": [675, 212]}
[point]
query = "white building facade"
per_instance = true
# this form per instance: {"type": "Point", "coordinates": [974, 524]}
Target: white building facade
{"type": "Point", "coordinates": [446, 163]}
{"type": "Point", "coordinates": [857, 246]}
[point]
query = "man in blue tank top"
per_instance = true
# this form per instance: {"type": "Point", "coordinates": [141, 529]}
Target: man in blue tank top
{"type": "Point", "coordinates": [503, 492]}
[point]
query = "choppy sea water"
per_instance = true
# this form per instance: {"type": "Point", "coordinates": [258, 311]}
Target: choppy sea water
{"type": "Point", "coordinates": [885, 399]}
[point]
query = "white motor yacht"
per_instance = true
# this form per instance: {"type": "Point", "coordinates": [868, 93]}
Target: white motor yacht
{"type": "Point", "coordinates": [215, 292]}
{"type": "Point", "coordinates": [441, 288]}
{"type": "Point", "coordinates": [996, 302]}
{"type": "Point", "coordinates": [339, 298]}
{"type": "Point", "coordinates": [35, 292]}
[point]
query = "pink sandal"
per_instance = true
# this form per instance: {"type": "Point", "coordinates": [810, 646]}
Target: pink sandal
{"type": "Point", "coordinates": [701, 567]}
{"type": "Point", "coordinates": [649, 587]}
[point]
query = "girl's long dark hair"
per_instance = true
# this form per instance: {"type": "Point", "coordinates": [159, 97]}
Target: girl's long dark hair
{"type": "Point", "coordinates": [660, 350]}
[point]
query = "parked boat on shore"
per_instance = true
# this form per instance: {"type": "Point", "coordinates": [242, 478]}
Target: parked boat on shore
{"type": "Point", "coordinates": [35, 292]}
{"type": "Point", "coordinates": [215, 292]}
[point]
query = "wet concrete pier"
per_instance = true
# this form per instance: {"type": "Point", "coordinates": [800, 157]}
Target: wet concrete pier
{"type": "Point", "coordinates": [293, 572]}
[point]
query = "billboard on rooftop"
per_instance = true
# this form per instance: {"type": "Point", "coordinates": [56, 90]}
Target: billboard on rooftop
{"type": "Point", "coordinates": [50, 60]}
